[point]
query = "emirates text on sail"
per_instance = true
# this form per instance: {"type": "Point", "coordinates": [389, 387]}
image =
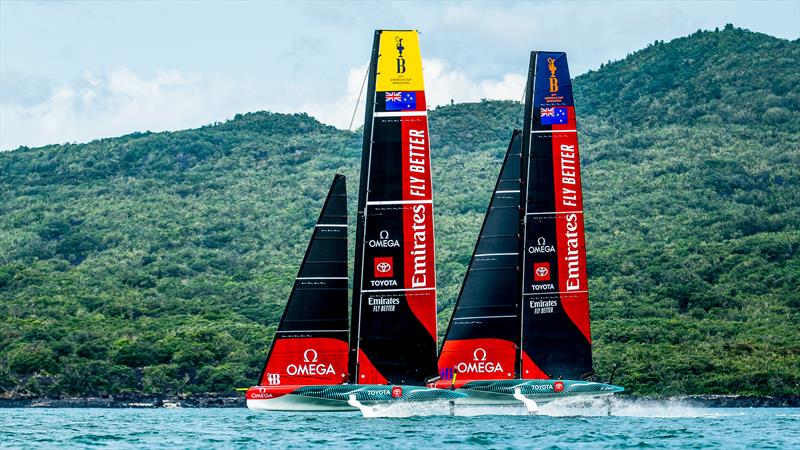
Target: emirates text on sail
{"type": "Point", "coordinates": [420, 277]}
{"type": "Point", "coordinates": [569, 198]}
{"type": "Point", "coordinates": [568, 175]}
{"type": "Point", "coordinates": [573, 254]}
{"type": "Point", "coordinates": [417, 163]}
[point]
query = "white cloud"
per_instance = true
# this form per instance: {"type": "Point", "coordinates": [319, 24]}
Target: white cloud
{"type": "Point", "coordinates": [443, 84]}
{"type": "Point", "coordinates": [340, 111]}
{"type": "Point", "coordinates": [120, 102]}
{"type": "Point", "coordinates": [472, 50]}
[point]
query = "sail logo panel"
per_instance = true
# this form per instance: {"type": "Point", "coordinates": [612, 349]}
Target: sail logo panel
{"type": "Point", "coordinates": [395, 290]}
{"type": "Point", "coordinates": [553, 105]}
{"type": "Point", "coordinates": [555, 309]}
{"type": "Point", "coordinates": [399, 85]}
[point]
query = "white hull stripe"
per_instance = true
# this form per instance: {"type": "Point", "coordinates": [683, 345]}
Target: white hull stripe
{"type": "Point", "coordinates": [398, 290]}
{"type": "Point", "coordinates": [484, 317]}
{"type": "Point", "coordinates": [400, 113]}
{"type": "Point", "coordinates": [553, 131]}
{"type": "Point", "coordinates": [497, 254]}
{"type": "Point", "coordinates": [321, 278]}
{"type": "Point", "coordinates": [329, 225]}
{"type": "Point", "coordinates": [556, 292]}
{"type": "Point", "coordinates": [312, 331]}
{"type": "Point", "coordinates": [400, 202]}
{"type": "Point", "coordinates": [555, 212]}
{"type": "Point", "coordinates": [507, 192]}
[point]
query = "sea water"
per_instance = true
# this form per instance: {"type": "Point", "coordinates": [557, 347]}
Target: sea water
{"type": "Point", "coordinates": [616, 424]}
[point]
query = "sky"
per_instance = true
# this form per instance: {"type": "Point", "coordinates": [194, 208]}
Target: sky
{"type": "Point", "coordinates": [77, 71]}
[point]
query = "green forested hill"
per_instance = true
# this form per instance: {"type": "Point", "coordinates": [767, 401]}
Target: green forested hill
{"type": "Point", "coordinates": [160, 262]}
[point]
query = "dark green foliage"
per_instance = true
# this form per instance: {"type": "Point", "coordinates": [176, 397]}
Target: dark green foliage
{"type": "Point", "coordinates": [160, 262]}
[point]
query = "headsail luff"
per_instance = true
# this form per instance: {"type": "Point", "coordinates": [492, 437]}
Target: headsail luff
{"type": "Point", "coordinates": [310, 344]}
{"type": "Point", "coordinates": [393, 331]}
{"type": "Point", "coordinates": [481, 340]}
{"type": "Point", "coordinates": [556, 339]}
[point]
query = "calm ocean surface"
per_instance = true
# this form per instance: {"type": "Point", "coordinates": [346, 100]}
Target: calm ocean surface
{"type": "Point", "coordinates": [631, 424]}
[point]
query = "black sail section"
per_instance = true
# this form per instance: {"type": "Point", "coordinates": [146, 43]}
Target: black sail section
{"type": "Point", "coordinates": [393, 331]}
{"type": "Point", "coordinates": [310, 344]}
{"type": "Point", "coordinates": [556, 340]}
{"type": "Point", "coordinates": [481, 340]}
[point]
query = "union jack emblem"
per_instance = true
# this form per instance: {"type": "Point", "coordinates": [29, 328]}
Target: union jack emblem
{"type": "Point", "coordinates": [548, 112]}
{"type": "Point", "coordinates": [393, 96]}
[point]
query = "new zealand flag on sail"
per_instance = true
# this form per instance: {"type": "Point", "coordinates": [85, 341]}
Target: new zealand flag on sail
{"type": "Point", "coordinates": [554, 115]}
{"type": "Point", "coordinates": [401, 101]}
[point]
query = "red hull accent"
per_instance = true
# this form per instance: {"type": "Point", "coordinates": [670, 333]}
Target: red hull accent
{"type": "Point", "coordinates": [268, 392]}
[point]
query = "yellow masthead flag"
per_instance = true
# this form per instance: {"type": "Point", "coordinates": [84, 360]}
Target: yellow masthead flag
{"type": "Point", "coordinates": [399, 62]}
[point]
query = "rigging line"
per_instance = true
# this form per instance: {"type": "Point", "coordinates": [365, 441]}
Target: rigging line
{"type": "Point", "coordinates": [360, 91]}
{"type": "Point", "coordinates": [522, 101]}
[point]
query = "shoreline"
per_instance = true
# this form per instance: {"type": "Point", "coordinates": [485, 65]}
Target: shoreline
{"type": "Point", "coordinates": [220, 401]}
{"type": "Point", "coordinates": [126, 401]}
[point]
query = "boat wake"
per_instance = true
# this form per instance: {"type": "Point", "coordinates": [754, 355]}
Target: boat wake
{"type": "Point", "coordinates": [590, 407]}
{"type": "Point", "coordinates": [623, 407]}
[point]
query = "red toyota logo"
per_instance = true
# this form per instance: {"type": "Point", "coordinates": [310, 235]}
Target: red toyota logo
{"type": "Point", "coordinates": [397, 392]}
{"type": "Point", "coordinates": [558, 386]}
{"type": "Point", "coordinates": [384, 268]}
{"type": "Point", "coordinates": [541, 271]}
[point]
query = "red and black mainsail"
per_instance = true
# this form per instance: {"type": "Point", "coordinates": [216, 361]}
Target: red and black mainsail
{"type": "Point", "coordinates": [523, 310]}
{"type": "Point", "coordinates": [393, 331]}
{"type": "Point", "coordinates": [556, 339]}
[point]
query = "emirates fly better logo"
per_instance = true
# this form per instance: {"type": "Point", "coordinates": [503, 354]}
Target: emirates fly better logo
{"type": "Point", "coordinates": [384, 267]}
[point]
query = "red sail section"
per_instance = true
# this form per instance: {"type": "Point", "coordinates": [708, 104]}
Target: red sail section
{"type": "Point", "coordinates": [570, 238]}
{"type": "Point", "coordinates": [367, 372]}
{"type": "Point", "coordinates": [530, 370]}
{"type": "Point", "coordinates": [419, 257]}
{"type": "Point", "coordinates": [416, 158]}
{"type": "Point", "coordinates": [304, 361]}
